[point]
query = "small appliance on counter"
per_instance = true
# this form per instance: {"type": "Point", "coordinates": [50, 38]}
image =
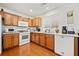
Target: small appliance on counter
{"type": "Point", "coordinates": [38, 29]}
{"type": "Point", "coordinates": [71, 32]}
{"type": "Point", "coordinates": [64, 30]}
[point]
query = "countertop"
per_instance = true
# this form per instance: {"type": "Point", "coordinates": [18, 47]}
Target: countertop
{"type": "Point", "coordinates": [10, 32]}
{"type": "Point", "coordinates": [72, 35]}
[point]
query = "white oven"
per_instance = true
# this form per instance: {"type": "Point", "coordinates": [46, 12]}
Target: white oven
{"type": "Point", "coordinates": [24, 38]}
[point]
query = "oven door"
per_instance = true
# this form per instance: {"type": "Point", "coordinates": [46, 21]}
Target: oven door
{"type": "Point", "coordinates": [24, 39]}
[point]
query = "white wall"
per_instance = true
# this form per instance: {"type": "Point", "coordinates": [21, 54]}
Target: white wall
{"type": "Point", "coordinates": [59, 16]}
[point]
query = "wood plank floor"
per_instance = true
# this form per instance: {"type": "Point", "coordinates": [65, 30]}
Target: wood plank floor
{"type": "Point", "coordinates": [30, 49]}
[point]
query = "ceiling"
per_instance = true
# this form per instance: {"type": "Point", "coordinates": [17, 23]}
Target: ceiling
{"type": "Point", "coordinates": [31, 9]}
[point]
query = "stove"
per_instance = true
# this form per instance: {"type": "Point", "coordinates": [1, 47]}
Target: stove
{"type": "Point", "coordinates": [24, 37]}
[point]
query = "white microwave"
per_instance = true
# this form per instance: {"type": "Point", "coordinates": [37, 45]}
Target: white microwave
{"type": "Point", "coordinates": [22, 23]}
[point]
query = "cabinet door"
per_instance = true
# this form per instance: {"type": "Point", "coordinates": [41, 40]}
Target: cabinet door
{"type": "Point", "coordinates": [26, 19]}
{"type": "Point", "coordinates": [50, 42]}
{"type": "Point", "coordinates": [1, 13]}
{"type": "Point", "coordinates": [42, 39]}
{"type": "Point", "coordinates": [37, 38]}
{"type": "Point", "coordinates": [15, 20]}
{"type": "Point", "coordinates": [34, 22]}
{"type": "Point", "coordinates": [15, 40]}
{"type": "Point", "coordinates": [7, 19]}
{"type": "Point", "coordinates": [38, 21]}
{"type": "Point", "coordinates": [20, 18]}
{"type": "Point", "coordinates": [30, 23]}
{"type": "Point", "coordinates": [7, 41]}
{"type": "Point", "coordinates": [33, 37]}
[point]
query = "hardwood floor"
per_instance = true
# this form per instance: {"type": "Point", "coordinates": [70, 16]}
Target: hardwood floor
{"type": "Point", "coordinates": [30, 49]}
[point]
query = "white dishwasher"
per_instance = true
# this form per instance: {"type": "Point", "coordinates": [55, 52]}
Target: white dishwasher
{"type": "Point", "coordinates": [64, 45]}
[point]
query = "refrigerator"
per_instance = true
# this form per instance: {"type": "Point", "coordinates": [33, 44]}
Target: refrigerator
{"type": "Point", "coordinates": [0, 34]}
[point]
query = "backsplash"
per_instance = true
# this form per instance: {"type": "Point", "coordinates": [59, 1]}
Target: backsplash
{"type": "Point", "coordinates": [17, 28]}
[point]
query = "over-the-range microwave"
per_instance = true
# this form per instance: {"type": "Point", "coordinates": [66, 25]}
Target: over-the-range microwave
{"type": "Point", "coordinates": [22, 23]}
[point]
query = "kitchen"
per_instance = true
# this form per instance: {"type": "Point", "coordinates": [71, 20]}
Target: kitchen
{"type": "Point", "coordinates": [54, 29]}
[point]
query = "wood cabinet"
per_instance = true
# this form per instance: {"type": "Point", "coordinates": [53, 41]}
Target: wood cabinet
{"type": "Point", "coordinates": [42, 39]}
{"type": "Point", "coordinates": [30, 22]}
{"type": "Point", "coordinates": [50, 41]}
{"type": "Point", "coordinates": [10, 19]}
{"type": "Point", "coordinates": [26, 19]}
{"type": "Point", "coordinates": [38, 21]}
{"type": "Point", "coordinates": [32, 37]}
{"type": "Point", "coordinates": [15, 20]}
{"type": "Point", "coordinates": [10, 40]}
{"type": "Point", "coordinates": [35, 22]}
{"type": "Point", "coordinates": [7, 41]}
{"type": "Point", "coordinates": [37, 38]}
{"type": "Point", "coordinates": [76, 42]}
{"type": "Point", "coordinates": [21, 18]}
{"type": "Point", "coordinates": [15, 39]}
{"type": "Point", "coordinates": [45, 40]}
{"type": "Point", "coordinates": [7, 19]}
{"type": "Point", "coordinates": [1, 13]}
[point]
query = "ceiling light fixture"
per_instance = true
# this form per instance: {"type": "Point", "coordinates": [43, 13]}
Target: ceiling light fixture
{"type": "Point", "coordinates": [31, 10]}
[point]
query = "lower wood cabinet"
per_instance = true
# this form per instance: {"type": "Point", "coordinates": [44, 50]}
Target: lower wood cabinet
{"type": "Point", "coordinates": [42, 39]}
{"type": "Point", "coordinates": [10, 40]}
{"type": "Point", "coordinates": [37, 38]}
{"type": "Point", "coordinates": [15, 40]}
{"type": "Point", "coordinates": [50, 41]}
{"type": "Point", "coordinates": [32, 37]}
{"type": "Point", "coordinates": [7, 41]}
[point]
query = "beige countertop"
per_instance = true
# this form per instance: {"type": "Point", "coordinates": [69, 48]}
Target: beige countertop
{"type": "Point", "coordinates": [10, 32]}
{"type": "Point", "coordinates": [72, 35]}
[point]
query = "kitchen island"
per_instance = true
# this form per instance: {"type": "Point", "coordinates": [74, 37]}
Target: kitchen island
{"type": "Point", "coordinates": [61, 44]}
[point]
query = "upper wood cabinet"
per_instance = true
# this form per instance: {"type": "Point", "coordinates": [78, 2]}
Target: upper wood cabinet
{"type": "Point", "coordinates": [30, 22]}
{"type": "Point", "coordinates": [33, 22]}
{"type": "Point", "coordinates": [20, 18]}
{"type": "Point", "coordinates": [37, 21]}
{"type": "Point", "coordinates": [25, 19]}
{"type": "Point", "coordinates": [1, 13]}
{"type": "Point", "coordinates": [15, 20]}
{"type": "Point", "coordinates": [50, 41]}
{"type": "Point", "coordinates": [7, 19]}
{"type": "Point", "coordinates": [10, 19]}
